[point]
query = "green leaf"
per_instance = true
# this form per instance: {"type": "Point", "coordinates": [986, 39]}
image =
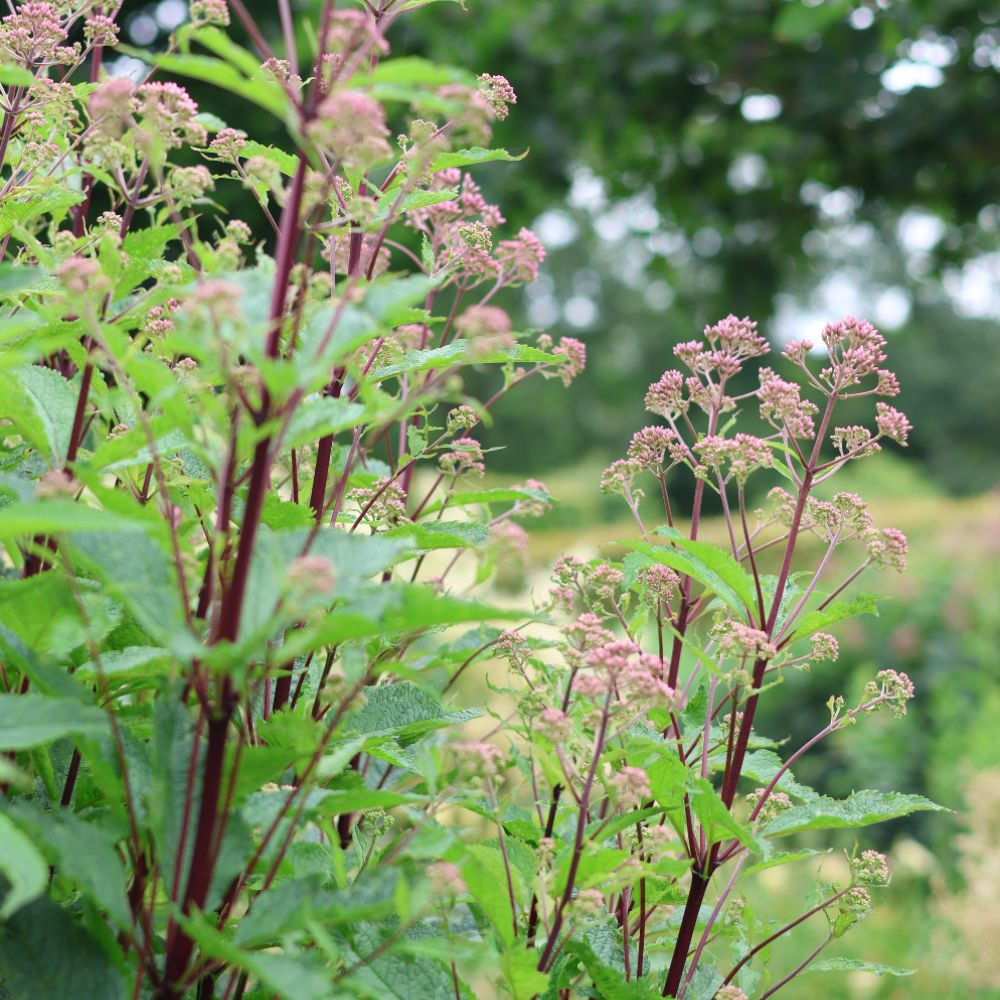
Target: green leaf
{"type": "Point", "coordinates": [710, 565]}
{"type": "Point", "coordinates": [520, 972]}
{"type": "Point", "coordinates": [856, 965]}
{"type": "Point", "coordinates": [285, 161]}
{"type": "Point", "coordinates": [470, 157]}
{"type": "Point", "coordinates": [293, 975]}
{"type": "Point", "coordinates": [838, 611]}
{"type": "Point", "coordinates": [498, 495]}
{"type": "Point", "coordinates": [668, 778]}
{"type": "Point", "coordinates": [139, 574]}
{"type": "Point", "coordinates": [415, 71]}
{"type": "Point", "coordinates": [396, 975]}
{"type": "Point", "coordinates": [426, 360]}
{"type": "Point", "coordinates": [85, 853]}
{"type": "Point", "coordinates": [12, 75]}
{"type": "Point", "coordinates": [483, 872]}
{"type": "Point", "coordinates": [290, 906]}
{"type": "Point", "coordinates": [860, 809]}
{"type": "Point", "coordinates": [46, 953]}
{"type": "Point", "coordinates": [444, 534]}
{"type": "Point", "coordinates": [716, 819]}
{"type": "Point", "coordinates": [14, 279]}
{"type": "Point", "coordinates": [785, 858]}
{"type": "Point", "coordinates": [132, 661]}
{"type": "Point", "coordinates": [316, 418]}
{"type": "Point", "coordinates": [23, 867]}
{"type": "Point", "coordinates": [41, 404]}
{"type": "Point", "coordinates": [404, 710]}
{"type": "Point", "coordinates": [32, 720]}
{"type": "Point", "coordinates": [55, 202]}
{"type": "Point", "coordinates": [219, 43]}
{"type": "Point", "coordinates": [761, 766]}
{"type": "Point", "coordinates": [58, 517]}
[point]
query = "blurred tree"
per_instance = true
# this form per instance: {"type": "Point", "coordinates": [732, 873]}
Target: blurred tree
{"type": "Point", "coordinates": [784, 159]}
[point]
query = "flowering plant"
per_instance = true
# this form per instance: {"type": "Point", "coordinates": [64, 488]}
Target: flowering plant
{"type": "Point", "coordinates": [634, 728]}
{"type": "Point", "coordinates": [240, 498]}
{"type": "Point", "coordinates": [241, 514]}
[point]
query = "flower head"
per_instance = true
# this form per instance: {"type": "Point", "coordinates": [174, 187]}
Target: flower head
{"type": "Point", "coordinates": [521, 257]}
{"type": "Point", "coordinates": [871, 868]}
{"type": "Point", "coordinates": [465, 460]}
{"type": "Point", "coordinates": [352, 125]}
{"type": "Point", "coordinates": [632, 787]}
{"type": "Point", "coordinates": [167, 111]}
{"type": "Point", "coordinates": [666, 396]}
{"type": "Point", "coordinates": [498, 93]}
{"type": "Point", "coordinates": [891, 423]}
{"type": "Point", "coordinates": [575, 353]}
{"type": "Point", "coordinates": [649, 445]}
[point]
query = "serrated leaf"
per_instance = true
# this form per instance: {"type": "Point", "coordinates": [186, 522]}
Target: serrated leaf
{"type": "Point", "coordinates": [470, 157]}
{"type": "Point", "coordinates": [710, 565]}
{"type": "Point", "coordinates": [47, 420]}
{"type": "Point", "coordinates": [838, 611]}
{"type": "Point", "coordinates": [85, 853]}
{"type": "Point", "coordinates": [395, 975]}
{"type": "Point", "coordinates": [444, 534]}
{"type": "Point", "coordinates": [761, 766]}
{"type": "Point", "coordinates": [46, 953]}
{"type": "Point", "coordinates": [316, 418]}
{"type": "Point", "coordinates": [404, 710]}
{"type": "Point", "coordinates": [856, 965]}
{"type": "Point", "coordinates": [863, 808]}
{"type": "Point", "coordinates": [138, 572]}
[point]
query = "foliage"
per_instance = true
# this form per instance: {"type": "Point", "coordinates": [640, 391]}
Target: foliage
{"type": "Point", "coordinates": [243, 533]}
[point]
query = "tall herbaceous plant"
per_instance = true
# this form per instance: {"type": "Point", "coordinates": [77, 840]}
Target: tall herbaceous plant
{"type": "Point", "coordinates": [242, 523]}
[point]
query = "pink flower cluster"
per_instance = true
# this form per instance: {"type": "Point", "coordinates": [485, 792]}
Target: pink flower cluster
{"type": "Point", "coordinates": [782, 406]}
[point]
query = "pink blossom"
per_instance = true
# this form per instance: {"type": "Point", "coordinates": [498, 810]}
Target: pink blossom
{"type": "Point", "coordinates": [521, 258]}
{"type": "Point", "coordinates": [737, 338]}
{"type": "Point", "coordinates": [575, 353]}
{"type": "Point", "coordinates": [888, 548]}
{"type": "Point", "coordinates": [649, 445]}
{"type": "Point", "coordinates": [666, 396]}
{"type": "Point", "coordinates": [735, 457]}
{"type": "Point", "coordinates": [781, 405]}
{"type": "Point", "coordinates": [352, 125]}
{"type": "Point", "coordinates": [555, 724]}
{"type": "Point", "coordinates": [490, 321]}
{"type": "Point", "coordinates": [168, 111]}
{"type": "Point", "coordinates": [498, 92]}
{"type": "Point", "coordinates": [465, 460]}
{"type": "Point", "coordinates": [856, 350]}
{"type": "Point", "coordinates": [632, 786]}
{"type": "Point", "coordinates": [228, 143]}
{"type": "Point", "coordinates": [891, 423]}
